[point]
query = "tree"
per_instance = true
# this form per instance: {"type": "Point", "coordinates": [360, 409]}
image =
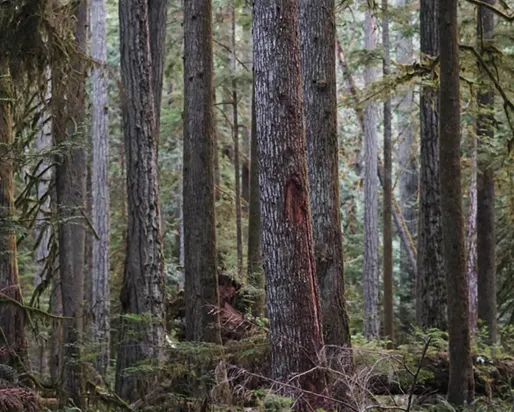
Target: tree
{"type": "Point", "coordinates": [370, 283]}
{"type": "Point", "coordinates": [296, 336]}
{"type": "Point", "coordinates": [318, 69]}
{"type": "Point", "coordinates": [486, 233]}
{"type": "Point", "coordinates": [255, 274]}
{"type": "Point", "coordinates": [388, 190]}
{"type": "Point", "coordinates": [12, 316]}
{"type": "Point", "coordinates": [100, 188]}
{"type": "Point", "coordinates": [142, 295]}
{"type": "Point", "coordinates": [461, 369]}
{"type": "Point", "coordinates": [407, 162]}
{"type": "Point", "coordinates": [68, 122]}
{"type": "Point", "coordinates": [430, 277]}
{"type": "Point", "coordinates": [201, 284]}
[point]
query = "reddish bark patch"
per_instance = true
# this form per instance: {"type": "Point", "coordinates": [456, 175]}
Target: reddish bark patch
{"type": "Point", "coordinates": [294, 201]}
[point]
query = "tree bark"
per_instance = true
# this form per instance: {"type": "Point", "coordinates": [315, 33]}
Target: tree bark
{"type": "Point", "coordinates": [142, 295]}
{"type": "Point", "coordinates": [201, 288]}
{"type": "Point", "coordinates": [471, 241]}
{"type": "Point", "coordinates": [430, 278]}
{"type": "Point", "coordinates": [100, 296]}
{"type": "Point", "coordinates": [12, 317]}
{"type": "Point", "coordinates": [237, 163]}
{"type": "Point", "coordinates": [388, 190]}
{"type": "Point", "coordinates": [68, 122]}
{"type": "Point", "coordinates": [296, 336]}
{"type": "Point", "coordinates": [408, 168]}
{"type": "Point", "coordinates": [157, 15]}
{"type": "Point", "coordinates": [255, 271]}
{"type": "Point", "coordinates": [371, 275]}
{"type": "Point", "coordinates": [461, 369]}
{"type": "Point", "coordinates": [486, 231]}
{"type": "Point", "coordinates": [318, 67]}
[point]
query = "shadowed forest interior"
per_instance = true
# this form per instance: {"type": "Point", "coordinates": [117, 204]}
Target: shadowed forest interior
{"type": "Point", "coordinates": [266, 205]}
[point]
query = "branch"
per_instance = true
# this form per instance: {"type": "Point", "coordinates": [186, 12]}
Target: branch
{"type": "Point", "coordinates": [494, 9]}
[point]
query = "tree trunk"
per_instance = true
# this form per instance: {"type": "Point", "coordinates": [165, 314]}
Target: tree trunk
{"type": "Point", "coordinates": [408, 169]}
{"type": "Point", "coordinates": [296, 337]}
{"type": "Point", "coordinates": [461, 369]}
{"type": "Point", "coordinates": [255, 272]}
{"type": "Point", "coordinates": [12, 317]}
{"type": "Point", "coordinates": [68, 121]}
{"type": "Point", "coordinates": [486, 232]}
{"type": "Point", "coordinates": [317, 39]}
{"type": "Point", "coordinates": [371, 275]}
{"type": "Point", "coordinates": [237, 167]}
{"type": "Point", "coordinates": [157, 15]}
{"type": "Point", "coordinates": [471, 241]}
{"type": "Point", "coordinates": [142, 295]}
{"type": "Point", "coordinates": [100, 190]}
{"type": "Point", "coordinates": [201, 288]}
{"type": "Point", "coordinates": [388, 190]}
{"type": "Point", "coordinates": [55, 361]}
{"type": "Point", "coordinates": [430, 278]}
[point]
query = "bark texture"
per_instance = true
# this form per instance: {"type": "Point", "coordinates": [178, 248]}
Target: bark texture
{"type": "Point", "coordinates": [12, 317]}
{"type": "Point", "coordinates": [71, 169]}
{"type": "Point", "coordinates": [318, 68]}
{"type": "Point", "coordinates": [157, 14]}
{"type": "Point", "coordinates": [430, 279]}
{"type": "Point", "coordinates": [486, 232]}
{"type": "Point", "coordinates": [142, 296]}
{"type": "Point", "coordinates": [100, 295]}
{"type": "Point", "coordinates": [388, 190]}
{"type": "Point", "coordinates": [461, 368]}
{"type": "Point", "coordinates": [471, 241]}
{"type": "Point", "coordinates": [407, 162]}
{"type": "Point", "coordinates": [371, 275]}
{"type": "Point", "coordinates": [201, 288]}
{"type": "Point", "coordinates": [292, 301]}
{"type": "Point", "coordinates": [255, 271]}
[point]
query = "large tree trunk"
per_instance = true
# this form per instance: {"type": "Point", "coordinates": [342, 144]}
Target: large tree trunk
{"type": "Point", "coordinates": [408, 168]}
{"type": "Point", "coordinates": [201, 288]}
{"type": "Point", "coordinates": [296, 337]}
{"type": "Point", "coordinates": [371, 275]}
{"type": "Point", "coordinates": [461, 369]}
{"type": "Point", "coordinates": [68, 121]}
{"type": "Point", "coordinates": [143, 282]}
{"type": "Point", "coordinates": [318, 67]}
{"type": "Point", "coordinates": [430, 277]}
{"type": "Point", "coordinates": [388, 190]}
{"type": "Point", "coordinates": [12, 316]}
{"type": "Point", "coordinates": [255, 272]}
{"type": "Point", "coordinates": [486, 233]}
{"type": "Point", "coordinates": [100, 295]}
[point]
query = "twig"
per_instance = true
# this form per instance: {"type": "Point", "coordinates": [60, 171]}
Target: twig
{"type": "Point", "coordinates": [413, 386]}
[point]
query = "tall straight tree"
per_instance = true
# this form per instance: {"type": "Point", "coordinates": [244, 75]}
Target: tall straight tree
{"type": "Point", "coordinates": [255, 274]}
{"type": "Point", "coordinates": [461, 368]}
{"type": "Point", "coordinates": [157, 14]}
{"type": "Point", "coordinates": [318, 68]}
{"type": "Point", "coordinates": [201, 283]}
{"type": "Point", "coordinates": [142, 295]}
{"type": "Point", "coordinates": [100, 188]}
{"type": "Point", "coordinates": [486, 238]}
{"type": "Point", "coordinates": [388, 189]}
{"type": "Point", "coordinates": [370, 282]}
{"type": "Point", "coordinates": [407, 148]}
{"type": "Point", "coordinates": [430, 277]}
{"type": "Point", "coordinates": [292, 299]}
{"type": "Point", "coordinates": [12, 317]}
{"type": "Point", "coordinates": [68, 122]}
